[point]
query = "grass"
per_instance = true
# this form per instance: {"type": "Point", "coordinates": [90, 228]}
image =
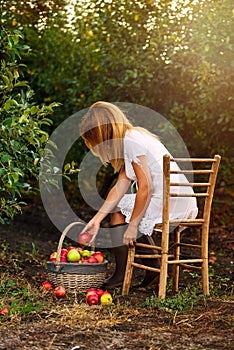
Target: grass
{"type": "Point", "coordinates": [26, 298]}
{"type": "Point", "coordinates": [189, 296]}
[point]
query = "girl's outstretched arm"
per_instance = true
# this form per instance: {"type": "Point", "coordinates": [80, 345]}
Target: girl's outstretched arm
{"type": "Point", "coordinates": [112, 199]}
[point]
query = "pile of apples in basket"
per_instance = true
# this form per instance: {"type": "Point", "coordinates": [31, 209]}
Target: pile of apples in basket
{"type": "Point", "coordinates": [80, 255]}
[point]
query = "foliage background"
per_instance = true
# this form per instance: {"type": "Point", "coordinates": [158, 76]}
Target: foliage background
{"type": "Point", "coordinates": [175, 57]}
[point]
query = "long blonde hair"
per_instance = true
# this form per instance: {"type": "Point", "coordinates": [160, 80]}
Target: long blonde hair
{"type": "Point", "coordinates": [103, 129]}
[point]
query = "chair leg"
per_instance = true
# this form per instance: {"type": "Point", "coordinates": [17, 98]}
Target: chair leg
{"type": "Point", "coordinates": [176, 268]}
{"type": "Point", "coordinates": [205, 277]}
{"type": "Point", "coordinates": [163, 276]}
{"type": "Point", "coordinates": [129, 271]}
{"type": "Point", "coordinates": [205, 267]}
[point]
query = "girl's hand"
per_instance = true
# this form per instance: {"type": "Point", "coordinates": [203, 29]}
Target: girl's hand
{"type": "Point", "coordinates": [130, 235]}
{"type": "Point", "coordinates": [92, 227]}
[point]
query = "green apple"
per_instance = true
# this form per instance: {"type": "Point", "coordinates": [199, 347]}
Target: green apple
{"type": "Point", "coordinates": [85, 253]}
{"type": "Point", "coordinates": [73, 255]}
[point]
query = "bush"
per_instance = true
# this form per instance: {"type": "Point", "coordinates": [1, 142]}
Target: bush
{"type": "Point", "coordinates": [21, 123]}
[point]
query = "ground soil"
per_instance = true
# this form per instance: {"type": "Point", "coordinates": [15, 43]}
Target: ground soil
{"type": "Point", "coordinates": [72, 324]}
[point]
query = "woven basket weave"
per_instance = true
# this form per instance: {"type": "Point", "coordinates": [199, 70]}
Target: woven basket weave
{"type": "Point", "coordinates": [75, 278]}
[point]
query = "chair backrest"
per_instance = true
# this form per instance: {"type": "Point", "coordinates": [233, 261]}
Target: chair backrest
{"type": "Point", "coordinates": [203, 174]}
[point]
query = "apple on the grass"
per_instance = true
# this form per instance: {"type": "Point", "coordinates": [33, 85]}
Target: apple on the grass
{"type": "Point", "coordinates": [90, 291]}
{"type": "Point", "coordinates": [99, 256]}
{"type": "Point", "coordinates": [60, 292]}
{"type": "Point", "coordinates": [73, 255]}
{"type": "Point", "coordinates": [94, 296]}
{"type": "Point", "coordinates": [106, 298]}
{"type": "Point", "coordinates": [93, 299]}
{"type": "Point", "coordinates": [4, 311]}
{"type": "Point", "coordinates": [84, 238]}
{"type": "Point", "coordinates": [99, 292]}
{"type": "Point", "coordinates": [47, 285]}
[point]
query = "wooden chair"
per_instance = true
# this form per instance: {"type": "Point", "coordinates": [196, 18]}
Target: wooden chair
{"type": "Point", "coordinates": [207, 174]}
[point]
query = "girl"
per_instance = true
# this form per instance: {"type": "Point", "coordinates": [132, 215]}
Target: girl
{"type": "Point", "coordinates": [137, 156]}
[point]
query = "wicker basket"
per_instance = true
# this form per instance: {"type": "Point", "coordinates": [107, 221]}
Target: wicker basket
{"type": "Point", "coordinates": [75, 278]}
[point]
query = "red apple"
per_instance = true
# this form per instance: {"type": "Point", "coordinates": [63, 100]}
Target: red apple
{"type": "Point", "coordinates": [99, 256]}
{"type": "Point", "coordinates": [53, 256]}
{"type": "Point", "coordinates": [64, 252]}
{"type": "Point", "coordinates": [99, 292]}
{"type": "Point", "coordinates": [84, 238]}
{"type": "Point", "coordinates": [4, 311]}
{"type": "Point", "coordinates": [60, 292]}
{"type": "Point", "coordinates": [91, 260]}
{"type": "Point", "coordinates": [63, 259]}
{"type": "Point", "coordinates": [70, 248]}
{"type": "Point", "coordinates": [90, 291]}
{"type": "Point", "coordinates": [47, 285]}
{"type": "Point", "coordinates": [83, 260]}
{"type": "Point", "coordinates": [93, 299]}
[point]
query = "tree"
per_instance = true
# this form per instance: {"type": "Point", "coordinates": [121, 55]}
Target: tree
{"type": "Point", "coordinates": [21, 123]}
{"type": "Point", "coordinates": [172, 56]}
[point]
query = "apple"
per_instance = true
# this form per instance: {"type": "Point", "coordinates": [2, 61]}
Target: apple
{"type": "Point", "coordinates": [53, 256]}
{"type": "Point", "coordinates": [84, 238]}
{"type": "Point", "coordinates": [91, 291]}
{"type": "Point", "coordinates": [99, 256]}
{"type": "Point", "coordinates": [63, 259]}
{"type": "Point", "coordinates": [79, 249]}
{"type": "Point", "coordinates": [4, 311]}
{"type": "Point", "coordinates": [64, 252]}
{"type": "Point", "coordinates": [85, 253]}
{"type": "Point", "coordinates": [83, 260]}
{"type": "Point", "coordinates": [91, 260]}
{"type": "Point", "coordinates": [212, 259]}
{"type": "Point", "coordinates": [47, 285]}
{"type": "Point", "coordinates": [99, 292]}
{"type": "Point", "coordinates": [106, 298]}
{"type": "Point", "coordinates": [73, 255]}
{"type": "Point", "coordinates": [60, 292]}
{"type": "Point", "coordinates": [93, 299]}
{"type": "Point", "coordinates": [70, 248]}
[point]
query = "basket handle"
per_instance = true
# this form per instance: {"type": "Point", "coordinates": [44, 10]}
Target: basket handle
{"type": "Point", "coordinates": [63, 235]}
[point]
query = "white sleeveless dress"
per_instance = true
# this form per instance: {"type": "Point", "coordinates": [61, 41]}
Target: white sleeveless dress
{"type": "Point", "coordinates": [138, 144]}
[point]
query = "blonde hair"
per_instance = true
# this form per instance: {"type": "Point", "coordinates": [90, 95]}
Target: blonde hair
{"type": "Point", "coordinates": [103, 129]}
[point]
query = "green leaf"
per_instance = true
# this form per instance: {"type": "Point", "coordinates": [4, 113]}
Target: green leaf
{"type": "Point", "coordinates": [5, 158]}
{"type": "Point", "coordinates": [34, 110]}
{"type": "Point", "coordinates": [9, 103]}
{"type": "Point", "coordinates": [15, 176]}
